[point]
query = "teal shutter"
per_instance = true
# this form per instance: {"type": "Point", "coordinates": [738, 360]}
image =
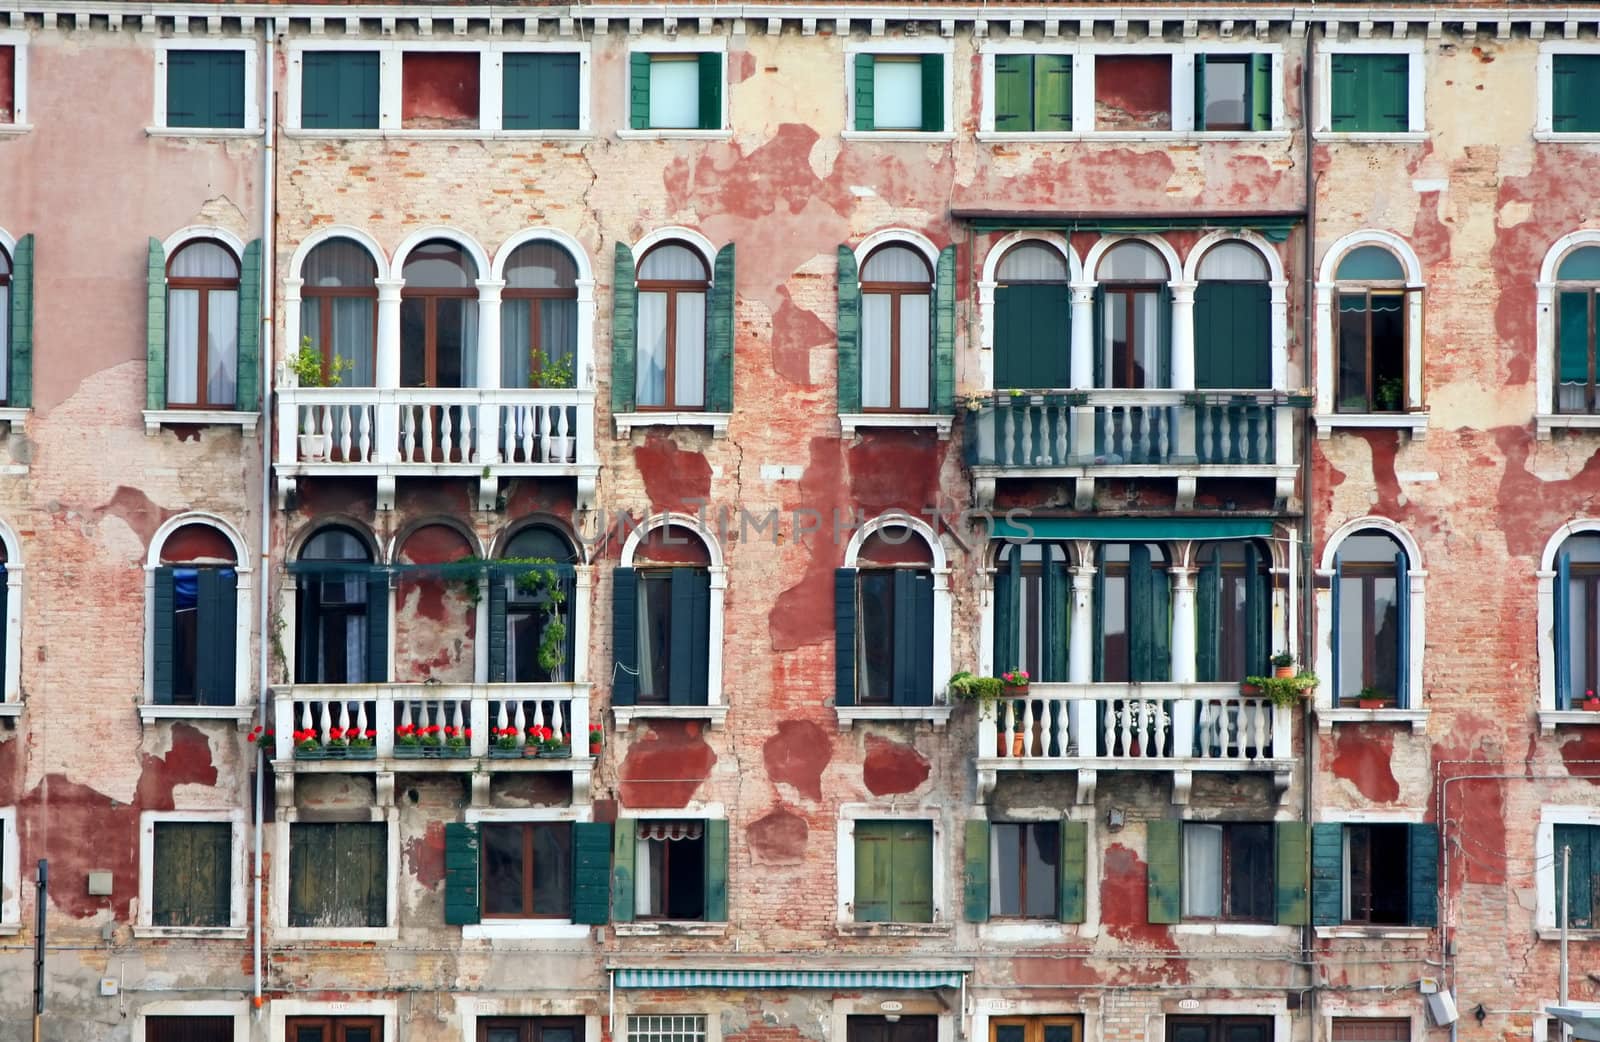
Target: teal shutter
{"type": "Point", "coordinates": [1327, 874]}
{"type": "Point", "coordinates": [911, 874]}
{"type": "Point", "coordinates": [690, 592]}
{"type": "Point", "coordinates": [1422, 897]}
{"type": "Point", "coordinates": [944, 333]}
{"type": "Point", "coordinates": [844, 637]}
{"type": "Point", "coordinates": [1290, 867]}
{"type": "Point", "coordinates": [975, 871]}
{"type": "Point", "coordinates": [155, 377]}
{"type": "Point", "coordinates": [227, 88]}
{"type": "Point", "coordinates": [913, 638]}
{"type": "Point", "coordinates": [1199, 92]}
{"type": "Point", "coordinates": [1013, 95]}
{"type": "Point", "coordinates": [720, 338]}
{"type": "Point", "coordinates": [1072, 903]}
{"type": "Point", "coordinates": [1098, 618]}
{"type": "Point", "coordinates": [1391, 93]}
{"type": "Point", "coordinates": [1164, 858]}
{"type": "Point", "coordinates": [864, 92]}
{"type": "Point", "coordinates": [1572, 338]}
{"type": "Point", "coordinates": [624, 330]}
{"type": "Point", "coordinates": [1007, 600]}
{"type": "Point", "coordinates": [1163, 338]}
{"type": "Point", "coordinates": [1257, 612]}
{"type": "Point", "coordinates": [1584, 850]}
{"type": "Point", "coordinates": [1344, 92]}
{"type": "Point", "coordinates": [461, 873]}
{"type": "Point", "coordinates": [849, 332]}
{"type": "Point", "coordinates": [498, 595]}
{"type": "Point", "coordinates": [1402, 682]}
{"type": "Point", "coordinates": [1149, 617]}
{"type": "Point", "coordinates": [711, 92]}
{"type": "Point", "coordinates": [1232, 334]}
{"type": "Point", "coordinates": [1574, 82]}
{"type": "Point", "coordinates": [20, 393]}
{"type": "Point", "coordinates": [624, 838]}
{"type": "Point", "coordinates": [1032, 333]}
{"type": "Point", "coordinates": [187, 90]}
{"type": "Point", "coordinates": [1208, 619]}
{"type": "Point", "coordinates": [1563, 630]}
{"type": "Point", "coordinates": [624, 636]}
{"type": "Point", "coordinates": [319, 90]}
{"type": "Point", "coordinates": [164, 608]}
{"type": "Point", "coordinates": [1056, 612]}
{"type": "Point", "coordinates": [249, 371]}
{"type": "Point", "coordinates": [218, 614]}
{"type": "Point", "coordinates": [1100, 377]}
{"type": "Point", "coordinates": [933, 92]}
{"type": "Point", "coordinates": [339, 90]}
{"type": "Point", "coordinates": [874, 842]}
{"type": "Point", "coordinates": [1052, 93]}
{"type": "Point", "coordinates": [539, 92]}
{"type": "Point", "coordinates": [519, 92]}
{"type": "Point", "coordinates": [639, 91]}
{"type": "Point", "coordinates": [1261, 92]}
{"type": "Point", "coordinates": [716, 903]}
{"type": "Point", "coordinates": [377, 628]}
{"type": "Point", "coordinates": [591, 872]}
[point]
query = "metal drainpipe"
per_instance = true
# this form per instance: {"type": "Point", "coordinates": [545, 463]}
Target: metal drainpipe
{"type": "Point", "coordinates": [1308, 932]}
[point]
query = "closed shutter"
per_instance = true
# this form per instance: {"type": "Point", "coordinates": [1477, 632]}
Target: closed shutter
{"type": "Point", "coordinates": [217, 666]}
{"type": "Point", "coordinates": [1257, 612]}
{"type": "Point", "coordinates": [1056, 624]}
{"type": "Point", "coordinates": [1562, 596]}
{"type": "Point", "coordinates": [1052, 93]}
{"type": "Point", "coordinates": [1390, 95]}
{"type": "Point", "coordinates": [186, 89]}
{"type": "Point", "coordinates": [1572, 340]}
{"type": "Point", "coordinates": [1211, 328]}
{"type": "Point", "coordinates": [1422, 854]}
{"type": "Point", "coordinates": [716, 903]}
{"type": "Point", "coordinates": [975, 871]}
{"type": "Point", "coordinates": [720, 335]}
{"type": "Point", "coordinates": [844, 637]}
{"type": "Point", "coordinates": [864, 92]}
{"type": "Point", "coordinates": [623, 853]}
{"type": "Point", "coordinates": [1291, 870]}
{"type": "Point", "coordinates": [1584, 853]}
{"type": "Point", "coordinates": [1032, 334]}
{"type": "Point", "coordinates": [1233, 338]}
{"type": "Point", "coordinates": [1097, 620]}
{"type": "Point", "coordinates": [358, 90]}
{"type": "Point", "coordinates": [1007, 599]}
{"type": "Point", "coordinates": [164, 610]}
{"type": "Point", "coordinates": [1261, 92]}
{"type": "Point", "coordinates": [591, 872]}
{"type": "Point", "coordinates": [19, 392]}
{"type": "Point", "coordinates": [624, 636]}
{"type": "Point", "coordinates": [249, 373]}
{"type": "Point", "coordinates": [558, 92]}
{"type": "Point", "coordinates": [192, 879]}
{"type": "Point", "coordinates": [690, 591]}
{"type": "Point", "coordinates": [377, 628]}
{"type": "Point", "coordinates": [1149, 617]}
{"type": "Point", "coordinates": [639, 93]}
{"type": "Point", "coordinates": [944, 332]}
{"type": "Point", "coordinates": [155, 327]}
{"type": "Point", "coordinates": [911, 900]}
{"type": "Point", "coordinates": [933, 92]}
{"type": "Point", "coordinates": [710, 91]}
{"type": "Point", "coordinates": [362, 873]}
{"type": "Point", "coordinates": [338, 875]}
{"type": "Point", "coordinates": [1344, 91]}
{"type": "Point", "coordinates": [1163, 338]}
{"type": "Point", "coordinates": [913, 638]}
{"type": "Point", "coordinates": [874, 841]}
{"type": "Point", "coordinates": [1402, 658]}
{"type": "Point", "coordinates": [519, 92]}
{"type": "Point", "coordinates": [1163, 857]}
{"type": "Point", "coordinates": [624, 318]}
{"type": "Point", "coordinates": [1574, 81]}
{"type": "Point", "coordinates": [461, 873]}
{"type": "Point", "coordinates": [339, 90]}
{"type": "Point", "coordinates": [498, 595]}
{"type": "Point", "coordinates": [1013, 100]}
{"type": "Point", "coordinates": [1013, 336]}
{"type": "Point", "coordinates": [319, 89]}
{"type": "Point", "coordinates": [1073, 898]}
{"type": "Point", "coordinates": [1208, 619]}
{"type": "Point", "coordinates": [1199, 92]}
{"type": "Point", "coordinates": [849, 333]}
{"type": "Point", "coordinates": [225, 89]}
{"type": "Point", "coordinates": [1327, 874]}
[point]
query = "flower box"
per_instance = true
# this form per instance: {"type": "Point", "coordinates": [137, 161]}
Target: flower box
{"type": "Point", "coordinates": [310, 754]}
{"type": "Point", "coordinates": [563, 753]}
{"type": "Point", "coordinates": [432, 752]}
{"type": "Point", "coordinates": [497, 753]}
{"type": "Point", "coordinates": [334, 752]}
{"type": "Point", "coordinates": [364, 752]}
{"type": "Point", "coordinates": [454, 752]}
{"type": "Point", "coordinates": [408, 752]}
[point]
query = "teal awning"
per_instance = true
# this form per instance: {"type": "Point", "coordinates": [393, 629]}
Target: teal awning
{"type": "Point", "coordinates": [822, 980]}
{"type": "Point", "coordinates": [1273, 225]}
{"type": "Point", "coordinates": [1132, 528]}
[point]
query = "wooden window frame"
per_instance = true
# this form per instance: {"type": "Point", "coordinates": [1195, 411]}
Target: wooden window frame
{"type": "Point", "coordinates": [1129, 290]}
{"type": "Point", "coordinates": [1368, 574]}
{"type": "Point", "coordinates": [334, 1029]}
{"type": "Point", "coordinates": [672, 287]}
{"type": "Point", "coordinates": [1348, 869]}
{"type": "Point", "coordinates": [1370, 291]}
{"type": "Point", "coordinates": [311, 611]}
{"type": "Point", "coordinates": [1226, 873]}
{"type": "Point", "coordinates": [894, 291]}
{"type": "Point", "coordinates": [535, 299]}
{"type": "Point", "coordinates": [1363, 1029]}
{"type": "Point", "coordinates": [529, 1028]}
{"type": "Point", "coordinates": [1589, 572]}
{"type": "Point", "coordinates": [1034, 1027]}
{"type": "Point", "coordinates": [204, 287]}
{"type": "Point", "coordinates": [529, 867]}
{"type": "Point", "coordinates": [325, 317]}
{"type": "Point", "coordinates": [165, 823]}
{"type": "Point", "coordinates": [430, 297]}
{"type": "Point", "coordinates": [1023, 830]}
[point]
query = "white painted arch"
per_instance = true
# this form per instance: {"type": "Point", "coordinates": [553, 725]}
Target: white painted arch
{"type": "Point", "coordinates": [1383, 524]}
{"type": "Point", "coordinates": [718, 570]}
{"type": "Point", "coordinates": [1371, 237]}
{"type": "Point", "coordinates": [905, 237]}
{"type": "Point", "coordinates": [1578, 526]}
{"type": "Point", "coordinates": [677, 233]}
{"type": "Point", "coordinates": [241, 552]}
{"type": "Point", "coordinates": [1324, 347]}
{"type": "Point", "coordinates": [1191, 264]}
{"type": "Point", "coordinates": [183, 236]}
{"type": "Point", "coordinates": [574, 249]}
{"type": "Point", "coordinates": [631, 546]}
{"type": "Point", "coordinates": [475, 250]}
{"type": "Point", "coordinates": [337, 231]}
{"type": "Point", "coordinates": [896, 519]}
{"type": "Point", "coordinates": [1091, 262]}
{"type": "Point", "coordinates": [1416, 633]}
{"type": "Point", "coordinates": [1563, 246]}
{"type": "Point", "coordinates": [243, 601]}
{"type": "Point", "coordinates": [8, 244]}
{"type": "Point", "coordinates": [1054, 240]}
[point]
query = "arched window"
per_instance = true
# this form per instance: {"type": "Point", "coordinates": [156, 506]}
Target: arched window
{"type": "Point", "coordinates": [339, 310]}
{"type": "Point", "coordinates": [1032, 319]}
{"type": "Point", "coordinates": [1577, 619]}
{"type": "Point", "coordinates": [893, 645]}
{"type": "Point", "coordinates": [194, 620]}
{"type": "Point", "coordinates": [531, 609]}
{"type": "Point", "coordinates": [663, 623]}
{"type": "Point", "coordinates": [1577, 361]}
{"type": "Point", "coordinates": [1371, 332]}
{"type": "Point", "coordinates": [1032, 609]}
{"type": "Point", "coordinates": [342, 619]}
{"type": "Point", "coordinates": [1232, 319]}
{"type": "Point", "coordinates": [5, 325]}
{"type": "Point", "coordinates": [673, 285]}
{"type": "Point", "coordinates": [202, 326]}
{"type": "Point", "coordinates": [1133, 614]}
{"type": "Point", "coordinates": [1233, 611]}
{"type": "Point", "coordinates": [1371, 611]}
{"type": "Point", "coordinates": [1134, 313]}
{"type": "Point", "coordinates": [439, 317]}
{"type": "Point", "coordinates": [896, 330]}
{"type": "Point", "coordinates": [539, 318]}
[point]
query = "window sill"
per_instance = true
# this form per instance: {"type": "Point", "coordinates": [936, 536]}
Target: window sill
{"type": "Point", "coordinates": [853, 423]}
{"type": "Point", "coordinates": [1546, 424]}
{"type": "Point", "coordinates": [1552, 933]}
{"type": "Point", "coordinates": [1050, 137]}
{"type": "Point", "coordinates": [896, 929]}
{"type": "Point", "coordinates": [1582, 137]}
{"type": "Point", "coordinates": [10, 929]}
{"type": "Point", "coordinates": [1374, 933]}
{"type": "Point", "coordinates": [1327, 717]}
{"type": "Point", "coordinates": [16, 418]}
{"type": "Point", "coordinates": [216, 933]}
{"type": "Point", "coordinates": [405, 134]}
{"type": "Point", "coordinates": [155, 419]}
{"type": "Point", "coordinates": [1550, 719]}
{"type": "Point", "coordinates": [10, 710]}
{"type": "Point", "coordinates": [1267, 931]}
{"type": "Point", "coordinates": [626, 715]}
{"type": "Point", "coordinates": [204, 133]}
{"type": "Point", "coordinates": [9, 129]}
{"type": "Point", "coordinates": [1043, 931]}
{"type": "Point", "coordinates": [353, 934]}
{"type": "Point", "coordinates": [526, 930]}
{"type": "Point", "coordinates": [1407, 137]}
{"type": "Point", "coordinates": [666, 135]}
{"type": "Point", "coordinates": [924, 136]}
{"type": "Point", "coordinates": [671, 929]}
{"type": "Point", "coordinates": [849, 716]}
{"type": "Point", "coordinates": [1415, 422]}
{"type": "Point", "coordinates": [240, 715]}
{"type": "Point", "coordinates": [627, 421]}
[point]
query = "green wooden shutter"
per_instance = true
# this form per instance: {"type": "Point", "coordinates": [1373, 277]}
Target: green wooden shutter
{"type": "Point", "coordinates": [911, 887]}
{"type": "Point", "coordinates": [710, 90]}
{"type": "Point", "coordinates": [849, 333]}
{"type": "Point", "coordinates": [214, 865]}
{"type": "Point", "coordinates": [377, 628]}
{"type": "Point", "coordinates": [933, 92]}
{"type": "Point", "coordinates": [461, 873]}
{"type": "Point", "coordinates": [358, 90]}
{"type": "Point", "coordinates": [844, 637]}
{"type": "Point", "coordinates": [1562, 636]}
{"type": "Point", "coordinates": [690, 593]}
{"type": "Point", "coordinates": [1199, 92]}
{"type": "Point", "coordinates": [1013, 336]}
{"type": "Point", "coordinates": [155, 332]}
{"type": "Point", "coordinates": [1212, 368]}
{"type": "Point", "coordinates": [218, 613]}
{"type": "Point", "coordinates": [624, 330]}
{"type": "Point", "coordinates": [975, 871]}
{"type": "Point", "coordinates": [164, 609]}
{"type": "Point", "coordinates": [1149, 617]}
{"type": "Point", "coordinates": [913, 638]}
{"type": "Point", "coordinates": [1391, 93]}
{"type": "Point", "coordinates": [1163, 337]}
{"type": "Point", "coordinates": [1261, 92]}
{"type": "Point", "coordinates": [1052, 93]}
{"type": "Point", "coordinates": [169, 905]}
{"type": "Point", "coordinates": [193, 874]}
{"type": "Point", "coordinates": [319, 89]}
{"type": "Point", "coordinates": [720, 338]}
{"type": "Point", "coordinates": [1581, 839]}
{"type": "Point", "coordinates": [226, 88]}
{"type": "Point", "coordinates": [624, 839]}
{"type": "Point", "coordinates": [944, 333]}
{"type": "Point", "coordinates": [1292, 879]}
{"type": "Point", "coordinates": [1097, 622]}
{"type": "Point", "coordinates": [1403, 694]}
{"type": "Point", "coordinates": [20, 393]}
{"type": "Point", "coordinates": [1007, 600]}
{"type": "Point", "coordinates": [1013, 94]}
{"type": "Point", "coordinates": [624, 636]}
{"type": "Point", "coordinates": [1422, 854]}
{"type": "Point", "coordinates": [339, 90]}
{"type": "Point", "coordinates": [249, 370]}
{"type": "Point", "coordinates": [558, 92]}
{"type": "Point", "coordinates": [716, 903]}
{"type": "Point", "coordinates": [519, 92]}
{"type": "Point", "coordinates": [1327, 874]}
{"type": "Point", "coordinates": [1072, 901]}
{"type": "Point", "coordinates": [1574, 82]}
{"type": "Point", "coordinates": [1056, 612]}
{"type": "Point", "coordinates": [639, 91]}
{"type": "Point", "coordinates": [187, 93]}
{"type": "Point", "coordinates": [1233, 337]}
{"type": "Point", "coordinates": [1257, 612]}
{"type": "Point", "coordinates": [874, 841]}
{"type": "Point", "coordinates": [1164, 858]}
{"type": "Point", "coordinates": [864, 92]}
{"type": "Point", "coordinates": [1099, 352]}
{"type": "Point", "coordinates": [498, 595]}
{"type": "Point", "coordinates": [1344, 92]}
{"type": "Point", "coordinates": [1032, 323]}
{"type": "Point", "coordinates": [591, 871]}
{"type": "Point", "coordinates": [360, 872]}
{"type": "Point", "coordinates": [1208, 619]}
{"type": "Point", "coordinates": [1572, 338]}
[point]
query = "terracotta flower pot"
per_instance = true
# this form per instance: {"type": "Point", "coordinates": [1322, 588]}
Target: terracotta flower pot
{"type": "Point", "coordinates": [1283, 671]}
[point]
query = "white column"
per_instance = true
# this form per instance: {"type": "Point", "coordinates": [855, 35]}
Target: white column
{"type": "Point", "coordinates": [1183, 336]}
{"type": "Point", "coordinates": [985, 333]}
{"type": "Point", "coordinates": [1182, 663]}
{"type": "Point", "coordinates": [1544, 368]}
{"type": "Point", "coordinates": [291, 321]}
{"type": "Point", "coordinates": [1322, 369]}
{"type": "Point", "coordinates": [388, 370]}
{"type": "Point", "coordinates": [1083, 352]}
{"type": "Point", "coordinates": [1279, 304]}
{"type": "Point", "coordinates": [1080, 660]}
{"type": "Point", "coordinates": [487, 447]}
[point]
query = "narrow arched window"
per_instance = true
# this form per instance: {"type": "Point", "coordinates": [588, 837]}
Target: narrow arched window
{"type": "Point", "coordinates": [1232, 319]}
{"type": "Point", "coordinates": [539, 318]}
{"type": "Point", "coordinates": [339, 310]}
{"type": "Point", "coordinates": [1577, 620]}
{"type": "Point", "coordinates": [1132, 614]}
{"type": "Point", "coordinates": [1577, 361]}
{"type": "Point", "coordinates": [1032, 319]}
{"type": "Point", "coordinates": [896, 330]}
{"type": "Point", "coordinates": [1233, 611]}
{"type": "Point", "coordinates": [439, 317]}
{"type": "Point", "coordinates": [1372, 611]}
{"type": "Point", "coordinates": [202, 326]}
{"type": "Point", "coordinates": [1371, 332]}
{"type": "Point", "coordinates": [1133, 311]}
{"type": "Point", "coordinates": [1032, 610]}
{"type": "Point", "coordinates": [674, 283]}
{"type": "Point", "coordinates": [342, 618]}
{"type": "Point", "coordinates": [532, 601]}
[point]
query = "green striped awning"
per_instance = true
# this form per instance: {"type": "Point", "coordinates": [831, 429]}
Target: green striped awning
{"type": "Point", "coordinates": [822, 980]}
{"type": "Point", "coordinates": [1132, 528]}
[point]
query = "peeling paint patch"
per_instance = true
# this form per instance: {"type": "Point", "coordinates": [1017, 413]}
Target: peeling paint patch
{"type": "Point", "coordinates": [797, 754]}
{"type": "Point", "coordinates": [424, 855]}
{"type": "Point", "coordinates": [1361, 756]}
{"type": "Point", "coordinates": [673, 479]}
{"type": "Point", "coordinates": [891, 767]}
{"type": "Point", "coordinates": [778, 838]}
{"type": "Point", "coordinates": [665, 766]}
{"type": "Point", "coordinates": [1124, 907]}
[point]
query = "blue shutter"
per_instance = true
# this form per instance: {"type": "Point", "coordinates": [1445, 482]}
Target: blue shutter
{"type": "Point", "coordinates": [624, 636]}
{"type": "Point", "coordinates": [1422, 895]}
{"type": "Point", "coordinates": [844, 637]}
{"type": "Point", "coordinates": [1056, 611]}
{"type": "Point", "coordinates": [1257, 612]}
{"type": "Point", "coordinates": [1327, 874]}
{"type": "Point", "coordinates": [164, 607]}
{"type": "Point", "coordinates": [913, 603]}
{"type": "Point", "coordinates": [1403, 694]}
{"type": "Point", "coordinates": [1562, 636]}
{"type": "Point", "coordinates": [1208, 619]}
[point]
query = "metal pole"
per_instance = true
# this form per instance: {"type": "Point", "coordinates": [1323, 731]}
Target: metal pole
{"type": "Point", "coordinates": [42, 892]}
{"type": "Point", "coordinates": [1566, 897]}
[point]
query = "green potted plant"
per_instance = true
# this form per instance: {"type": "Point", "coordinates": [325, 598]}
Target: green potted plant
{"type": "Point", "coordinates": [310, 370]}
{"type": "Point", "coordinates": [1282, 690]}
{"type": "Point", "coordinates": [362, 745]}
{"type": "Point", "coordinates": [457, 742]}
{"type": "Point", "coordinates": [543, 581]}
{"type": "Point", "coordinates": [554, 373]}
{"type": "Point", "coordinates": [969, 687]}
{"type": "Point", "coordinates": [407, 742]}
{"type": "Point", "coordinates": [596, 736]}
{"type": "Point", "coordinates": [1283, 664]}
{"type": "Point", "coordinates": [1389, 392]}
{"type": "Point", "coordinates": [506, 746]}
{"type": "Point", "coordinates": [306, 745]}
{"type": "Point", "coordinates": [1014, 682]}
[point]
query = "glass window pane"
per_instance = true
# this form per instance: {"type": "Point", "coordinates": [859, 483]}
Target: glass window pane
{"type": "Point", "coordinates": [552, 870]}
{"type": "Point", "coordinates": [541, 265]}
{"type": "Point", "coordinates": [1582, 264]}
{"type": "Point", "coordinates": [673, 263]}
{"type": "Point", "coordinates": [1234, 262]}
{"type": "Point", "coordinates": [502, 869]}
{"type": "Point", "coordinates": [1147, 371]}
{"type": "Point", "coordinates": [439, 264]}
{"type": "Point", "coordinates": [1010, 1032]}
{"type": "Point", "coordinates": [655, 632]}
{"type": "Point", "coordinates": [1370, 264]}
{"type": "Point", "coordinates": [1202, 871]}
{"type": "Point", "coordinates": [1352, 390]}
{"type": "Point", "coordinates": [1005, 869]}
{"type": "Point", "coordinates": [896, 94]}
{"type": "Point", "coordinates": [1134, 261]}
{"type": "Point", "coordinates": [1352, 638]}
{"type": "Point", "coordinates": [896, 264]}
{"type": "Point", "coordinates": [1250, 875]}
{"type": "Point", "coordinates": [689, 374]}
{"type": "Point", "coordinates": [1369, 547]}
{"type": "Point", "coordinates": [1032, 262]}
{"type": "Point", "coordinates": [183, 346]}
{"type": "Point", "coordinates": [339, 264]}
{"type": "Point", "coordinates": [875, 651]}
{"type": "Point", "coordinates": [875, 346]}
{"type": "Point", "coordinates": [203, 260]}
{"type": "Point", "coordinates": [354, 324]}
{"type": "Point", "coordinates": [914, 361]}
{"type": "Point", "coordinates": [1225, 83]}
{"type": "Point", "coordinates": [1043, 851]}
{"type": "Point", "coordinates": [222, 346]}
{"type": "Point", "coordinates": [651, 385]}
{"type": "Point", "coordinates": [674, 94]}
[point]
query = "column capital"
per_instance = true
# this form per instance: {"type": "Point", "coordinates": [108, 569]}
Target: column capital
{"type": "Point", "coordinates": [1182, 577]}
{"type": "Point", "coordinates": [1183, 292]}
{"type": "Point", "coordinates": [389, 289]}
{"type": "Point", "coordinates": [489, 289]}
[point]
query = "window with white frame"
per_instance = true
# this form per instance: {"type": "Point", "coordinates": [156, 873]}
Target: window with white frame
{"type": "Point", "coordinates": [1372, 89]}
{"type": "Point", "coordinates": [894, 874]}
{"type": "Point", "coordinates": [1032, 317]}
{"type": "Point", "coordinates": [1371, 616]}
{"type": "Point", "coordinates": [333, 1029]}
{"type": "Point", "coordinates": [197, 603]}
{"type": "Point", "coordinates": [667, 1028]}
{"type": "Point", "coordinates": [1569, 78]}
{"type": "Point", "coordinates": [13, 78]}
{"type": "Point", "coordinates": [203, 87]}
{"type": "Point", "coordinates": [1369, 334]}
{"type": "Point", "coordinates": [1577, 362]}
{"type": "Point", "coordinates": [1133, 303]}
{"type": "Point", "coordinates": [203, 294]}
{"type": "Point", "coordinates": [339, 311]}
{"type": "Point", "coordinates": [1233, 91]}
{"type": "Point", "coordinates": [1576, 603]}
{"type": "Point", "coordinates": [667, 621]}
{"type": "Point", "coordinates": [675, 90]}
{"type": "Point", "coordinates": [1568, 836]}
{"type": "Point", "coordinates": [898, 90]}
{"type": "Point", "coordinates": [191, 871]}
{"type": "Point", "coordinates": [10, 872]}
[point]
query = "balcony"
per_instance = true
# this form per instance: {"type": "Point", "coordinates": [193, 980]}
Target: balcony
{"type": "Point", "coordinates": [1084, 435]}
{"type": "Point", "coordinates": [1181, 728]}
{"type": "Point", "coordinates": [385, 708]}
{"type": "Point", "coordinates": [413, 432]}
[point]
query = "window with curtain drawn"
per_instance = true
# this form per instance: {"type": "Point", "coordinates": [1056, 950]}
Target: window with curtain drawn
{"type": "Point", "coordinates": [194, 636]}
{"type": "Point", "coordinates": [670, 870]}
{"type": "Point", "coordinates": [1576, 594]}
{"type": "Point", "coordinates": [1232, 319]}
{"type": "Point", "coordinates": [1577, 361]}
{"type": "Point", "coordinates": [1032, 609]}
{"type": "Point", "coordinates": [1370, 332]}
{"type": "Point", "coordinates": [523, 613]}
{"type": "Point", "coordinates": [539, 318]}
{"type": "Point", "coordinates": [1233, 611]}
{"type": "Point", "coordinates": [202, 326]}
{"type": "Point", "coordinates": [899, 92]}
{"type": "Point", "coordinates": [674, 283]}
{"type": "Point", "coordinates": [339, 310]}
{"type": "Point", "coordinates": [675, 90]}
{"type": "Point", "coordinates": [1132, 614]}
{"type": "Point", "coordinates": [896, 330]}
{"type": "Point", "coordinates": [1371, 610]}
{"type": "Point", "coordinates": [1228, 871]}
{"type": "Point", "coordinates": [1032, 318]}
{"type": "Point", "coordinates": [341, 616]}
{"type": "Point", "coordinates": [884, 622]}
{"type": "Point", "coordinates": [661, 619]}
{"type": "Point", "coordinates": [1133, 315]}
{"type": "Point", "coordinates": [439, 317]}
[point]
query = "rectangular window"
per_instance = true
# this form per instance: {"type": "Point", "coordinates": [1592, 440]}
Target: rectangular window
{"type": "Point", "coordinates": [439, 90]}
{"type": "Point", "coordinates": [529, 616]}
{"type": "Point", "coordinates": [1036, 1029]}
{"type": "Point", "coordinates": [1033, 93]}
{"type": "Point", "coordinates": [1025, 869]}
{"type": "Point", "coordinates": [1376, 1029]}
{"type": "Point", "coordinates": [1219, 1029]}
{"type": "Point", "coordinates": [894, 637]}
{"type": "Point", "coordinates": [1574, 84]}
{"type": "Point", "coordinates": [339, 90]}
{"type": "Point", "coordinates": [205, 89]}
{"type": "Point", "coordinates": [192, 881]}
{"type": "Point", "coordinates": [1372, 351]}
{"type": "Point", "coordinates": [1233, 92]}
{"type": "Point", "coordinates": [333, 1029]}
{"type": "Point", "coordinates": [892, 1029]}
{"type": "Point", "coordinates": [8, 83]}
{"type": "Point", "coordinates": [527, 870]}
{"type": "Point", "coordinates": [1133, 92]}
{"type": "Point", "coordinates": [1578, 374]}
{"type": "Point", "coordinates": [675, 91]}
{"type": "Point", "coordinates": [674, 615]}
{"type": "Point", "coordinates": [894, 872]}
{"type": "Point", "coordinates": [1377, 874]}
{"type": "Point", "coordinates": [1370, 93]}
{"type": "Point", "coordinates": [1228, 872]}
{"type": "Point", "coordinates": [670, 870]}
{"type": "Point", "coordinates": [1583, 871]}
{"type": "Point", "coordinates": [540, 91]}
{"type": "Point", "coordinates": [903, 92]}
{"type": "Point", "coordinates": [667, 1029]}
{"type": "Point", "coordinates": [338, 874]}
{"type": "Point", "coordinates": [530, 1029]}
{"type": "Point", "coordinates": [188, 1029]}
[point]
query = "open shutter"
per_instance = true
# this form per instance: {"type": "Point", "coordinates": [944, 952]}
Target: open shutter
{"type": "Point", "coordinates": [624, 315]}
{"type": "Point", "coordinates": [378, 628]}
{"type": "Point", "coordinates": [155, 328]}
{"type": "Point", "coordinates": [1290, 863]}
{"type": "Point", "coordinates": [1344, 92]}
{"type": "Point", "coordinates": [461, 873]}
{"type": "Point", "coordinates": [844, 637]}
{"type": "Point", "coordinates": [716, 904]}
{"type": "Point", "coordinates": [1208, 621]}
{"type": "Point", "coordinates": [1402, 598]}
{"type": "Point", "coordinates": [1580, 839]}
{"type": "Point", "coordinates": [1334, 598]}
{"type": "Point", "coordinates": [1422, 854]}
{"type": "Point", "coordinates": [164, 607]}
{"type": "Point", "coordinates": [1261, 92]}
{"type": "Point", "coordinates": [1013, 93]}
{"type": "Point", "coordinates": [933, 92]}
{"type": "Point", "coordinates": [874, 864]}
{"type": "Point", "coordinates": [1007, 595]}
{"type": "Point", "coordinates": [1072, 905]}
{"type": "Point", "coordinates": [639, 92]}
{"type": "Point", "coordinates": [1327, 874]}
{"type": "Point", "coordinates": [1163, 856]}
{"type": "Point", "coordinates": [498, 596]}
{"type": "Point", "coordinates": [1052, 93]}
{"type": "Point", "coordinates": [624, 635]}
{"type": "Point", "coordinates": [1149, 617]}
{"type": "Point", "coordinates": [911, 877]}
{"type": "Point", "coordinates": [1562, 636]}
{"type": "Point", "coordinates": [249, 374]}
{"type": "Point", "coordinates": [19, 392]}
{"type": "Point", "coordinates": [913, 638]}
{"type": "Point", "coordinates": [1097, 620]}
{"type": "Point", "coordinates": [1199, 92]}
{"type": "Point", "coordinates": [1056, 624]}
{"type": "Point", "coordinates": [690, 591]}
{"type": "Point", "coordinates": [1163, 337]}
{"type": "Point", "coordinates": [975, 871]}
{"type": "Point", "coordinates": [719, 345]}
{"type": "Point", "coordinates": [865, 83]}
{"type": "Point", "coordinates": [711, 91]}
{"type": "Point", "coordinates": [1257, 612]}
{"type": "Point", "coordinates": [218, 604]}
{"type": "Point", "coordinates": [624, 839]}
{"type": "Point", "coordinates": [849, 332]}
{"type": "Point", "coordinates": [1098, 349]}
{"type": "Point", "coordinates": [591, 871]}
{"type": "Point", "coordinates": [944, 332]}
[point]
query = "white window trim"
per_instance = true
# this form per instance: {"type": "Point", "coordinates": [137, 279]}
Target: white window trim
{"type": "Point", "coordinates": [717, 422]}
{"type": "Point", "coordinates": [1547, 857]}
{"type": "Point", "coordinates": [290, 332]}
{"type": "Point", "coordinates": [390, 94]}
{"type": "Point", "coordinates": [1546, 419]}
{"type": "Point", "coordinates": [941, 424]}
{"type": "Point", "coordinates": [18, 40]}
{"type": "Point", "coordinates": [686, 45]}
{"type": "Point", "coordinates": [1544, 119]}
{"type": "Point", "coordinates": [238, 1009]}
{"type": "Point", "coordinates": [280, 1010]}
{"type": "Point", "coordinates": [10, 874]}
{"type": "Point", "coordinates": [238, 874]}
{"type": "Point", "coordinates": [583, 350]}
{"type": "Point", "coordinates": [715, 708]}
{"type": "Point", "coordinates": [1549, 714]}
{"type": "Point", "coordinates": [849, 814]}
{"type": "Point", "coordinates": [1001, 1006]}
{"type": "Point", "coordinates": [691, 811]}
{"type": "Point", "coordinates": [280, 884]}
{"type": "Point", "coordinates": [470, 1007]}
{"type": "Point", "coordinates": [1364, 816]}
{"type": "Point", "coordinates": [252, 95]}
{"type": "Point", "coordinates": [1276, 1008]}
{"type": "Point", "coordinates": [1416, 84]}
{"type": "Point", "coordinates": [11, 682]}
{"type": "Point", "coordinates": [524, 929]}
{"type": "Point", "coordinates": [900, 47]}
{"type": "Point", "coordinates": [244, 699]}
{"type": "Point", "coordinates": [1046, 930]}
{"type": "Point", "coordinates": [989, 281]}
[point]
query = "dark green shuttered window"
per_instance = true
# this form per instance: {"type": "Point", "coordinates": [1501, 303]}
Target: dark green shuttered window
{"type": "Point", "coordinates": [1574, 85]}
{"type": "Point", "coordinates": [883, 637]}
{"type": "Point", "coordinates": [1045, 878]}
{"type": "Point", "coordinates": [1032, 318]}
{"type": "Point", "coordinates": [193, 645]}
{"type": "Point", "coordinates": [16, 293]}
{"type": "Point", "coordinates": [205, 89]}
{"type": "Point", "coordinates": [719, 332]}
{"type": "Point", "coordinates": [539, 91]}
{"type": "Point", "coordinates": [1370, 93]}
{"type": "Point", "coordinates": [338, 874]}
{"type": "Point", "coordinates": [683, 889]}
{"type": "Point", "coordinates": [248, 359]}
{"type": "Point", "coordinates": [192, 882]}
{"type": "Point", "coordinates": [695, 98]}
{"type": "Point", "coordinates": [894, 872]}
{"type": "Point", "coordinates": [660, 634]}
{"type": "Point", "coordinates": [339, 90]}
{"type": "Point", "coordinates": [1165, 857]}
{"type": "Point", "coordinates": [899, 92]}
{"type": "Point", "coordinates": [944, 332]}
{"type": "Point", "coordinates": [1377, 873]}
{"type": "Point", "coordinates": [1033, 609]}
{"type": "Point", "coordinates": [1032, 94]}
{"type": "Point", "coordinates": [587, 886]}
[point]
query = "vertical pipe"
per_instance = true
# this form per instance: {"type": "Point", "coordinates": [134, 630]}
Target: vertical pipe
{"type": "Point", "coordinates": [1566, 897]}
{"type": "Point", "coordinates": [1307, 442]}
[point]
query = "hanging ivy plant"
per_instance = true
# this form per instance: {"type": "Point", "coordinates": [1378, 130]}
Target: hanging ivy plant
{"type": "Point", "coordinates": [539, 578]}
